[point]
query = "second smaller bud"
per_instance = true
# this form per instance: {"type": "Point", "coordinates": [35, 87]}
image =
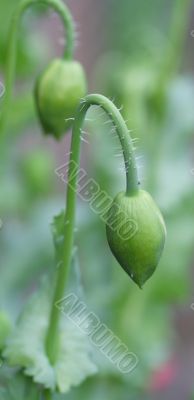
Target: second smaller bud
{"type": "Point", "coordinates": [57, 93]}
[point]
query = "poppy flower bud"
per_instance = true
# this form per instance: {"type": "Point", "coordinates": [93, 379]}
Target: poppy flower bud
{"type": "Point", "coordinates": [136, 234]}
{"type": "Point", "coordinates": [57, 93]}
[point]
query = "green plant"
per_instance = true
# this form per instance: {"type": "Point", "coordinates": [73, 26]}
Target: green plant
{"type": "Point", "coordinates": [137, 250]}
{"type": "Point", "coordinates": [164, 139]}
{"type": "Point", "coordinates": [57, 94]}
{"type": "Point", "coordinates": [46, 358]}
{"type": "Point", "coordinates": [38, 343]}
{"type": "Point", "coordinates": [61, 109]}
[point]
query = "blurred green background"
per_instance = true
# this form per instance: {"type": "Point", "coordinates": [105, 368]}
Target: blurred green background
{"type": "Point", "coordinates": [123, 46]}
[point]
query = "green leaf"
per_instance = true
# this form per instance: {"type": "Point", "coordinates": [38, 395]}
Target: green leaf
{"type": "Point", "coordinates": [26, 347]}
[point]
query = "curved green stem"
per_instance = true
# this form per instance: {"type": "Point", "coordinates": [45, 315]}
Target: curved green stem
{"type": "Point", "coordinates": [66, 18]}
{"type": "Point", "coordinates": [131, 189]}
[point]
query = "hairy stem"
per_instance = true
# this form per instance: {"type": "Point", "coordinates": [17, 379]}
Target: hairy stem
{"type": "Point", "coordinates": [131, 188]}
{"type": "Point", "coordinates": [66, 18]}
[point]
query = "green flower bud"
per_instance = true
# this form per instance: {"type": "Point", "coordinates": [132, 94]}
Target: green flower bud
{"type": "Point", "coordinates": [136, 234]}
{"type": "Point", "coordinates": [57, 94]}
{"type": "Point", "coordinates": [5, 328]}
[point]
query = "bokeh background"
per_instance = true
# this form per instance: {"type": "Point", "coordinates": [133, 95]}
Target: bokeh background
{"type": "Point", "coordinates": [123, 46]}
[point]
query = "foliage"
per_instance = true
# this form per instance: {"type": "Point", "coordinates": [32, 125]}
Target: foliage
{"type": "Point", "coordinates": [29, 197]}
